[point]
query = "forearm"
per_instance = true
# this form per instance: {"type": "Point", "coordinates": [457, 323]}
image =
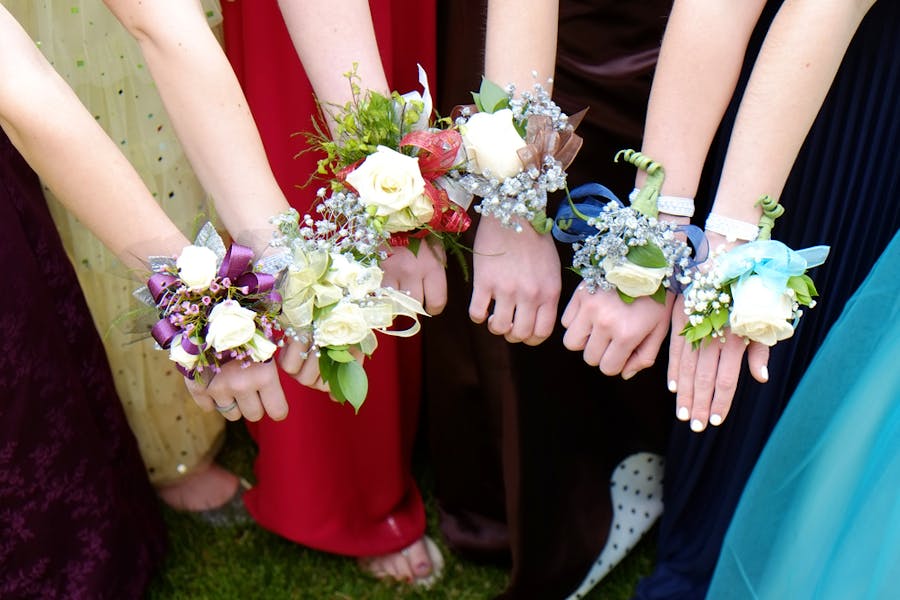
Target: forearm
{"type": "Point", "coordinates": [699, 64]}
{"type": "Point", "coordinates": [74, 157]}
{"type": "Point", "coordinates": [521, 42]}
{"type": "Point", "coordinates": [330, 37]}
{"type": "Point", "coordinates": [209, 112]}
{"type": "Point", "coordinates": [790, 80]}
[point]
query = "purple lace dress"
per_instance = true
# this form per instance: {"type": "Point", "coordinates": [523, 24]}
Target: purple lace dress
{"type": "Point", "coordinates": [78, 518]}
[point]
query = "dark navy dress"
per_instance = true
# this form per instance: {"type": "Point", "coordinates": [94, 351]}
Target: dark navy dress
{"type": "Point", "coordinates": [843, 192]}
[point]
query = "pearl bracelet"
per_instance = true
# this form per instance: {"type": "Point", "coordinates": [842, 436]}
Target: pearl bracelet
{"type": "Point", "coordinates": [732, 229]}
{"type": "Point", "coordinates": [678, 206]}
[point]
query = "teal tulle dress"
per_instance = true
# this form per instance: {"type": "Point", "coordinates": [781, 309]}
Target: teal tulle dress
{"type": "Point", "coordinates": [820, 516]}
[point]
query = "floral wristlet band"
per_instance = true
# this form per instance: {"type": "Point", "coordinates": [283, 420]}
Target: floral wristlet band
{"type": "Point", "coordinates": [214, 306]}
{"type": "Point", "coordinates": [334, 301]}
{"type": "Point", "coordinates": [756, 289]}
{"type": "Point", "coordinates": [626, 248]}
{"type": "Point", "coordinates": [677, 206]}
{"type": "Point", "coordinates": [517, 150]}
{"type": "Point", "coordinates": [389, 163]}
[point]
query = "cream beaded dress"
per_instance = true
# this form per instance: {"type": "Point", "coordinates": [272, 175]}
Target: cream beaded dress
{"type": "Point", "coordinates": [103, 64]}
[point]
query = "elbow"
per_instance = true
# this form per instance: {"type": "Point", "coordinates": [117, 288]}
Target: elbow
{"type": "Point", "coordinates": [131, 18]}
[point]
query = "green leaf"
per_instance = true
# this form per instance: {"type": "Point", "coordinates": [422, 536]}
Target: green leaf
{"type": "Point", "coordinates": [625, 297]}
{"type": "Point", "coordinates": [340, 356]}
{"type": "Point", "coordinates": [476, 98]}
{"type": "Point", "coordinates": [718, 319]}
{"type": "Point", "coordinates": [803, 287]}
{"type": "Point", "coordinates": [334, 388]}
{"type": "Point", "coordinates": [328, 369]}
{"type": "Point", "coordinates": [414, 244]}
{"type": "Point", "coordinates": [354, 383]}
{"type": "Point", "coordinates": [648, 255]}
{"type": "Point", "coordinates": [660, 294]}
{"type": "Point", "coordinates": [702, 329]}
{"type": "Point", "coordinates": [491, 97]}
{"type": "Point", "coordinates": [798, 284]}
{"type": "Point", "coordinates": [810, 285]}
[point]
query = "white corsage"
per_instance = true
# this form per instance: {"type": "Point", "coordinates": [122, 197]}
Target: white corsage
{"type": "Point", "coordinates": [625, 248]}
{"type": "Point", "coordinates": [756, 289]}
{"type": "Point", "coordinates": [334, 301]}
{"type": "Point", "coordinates": [516, 150]}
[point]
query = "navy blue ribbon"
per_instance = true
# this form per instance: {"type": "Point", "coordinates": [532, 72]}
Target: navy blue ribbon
{"type": "Point", "coordinates": [570, 225]}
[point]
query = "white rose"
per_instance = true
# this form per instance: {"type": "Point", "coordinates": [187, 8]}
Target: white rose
{"type": "Point", "coordinates": [230, 325]}
{"type": "Point", "coordinates": [416, 215]}
{"type": "Point", "coordinates": [387, 180]}
{"type": "Point", "coordinates": [760, 313]}
{"type": "Point", "coordinates": [631, 279]}
{"type": "Point", "coordinates": [345, 324]}
{"type": "Point", "coordinates": [197, 267]}
{"type": "Point", "coordinates": [181, 356]}
{"type": "Point", "coordinates": [491, 142]}
{"type": "Point", "coordinates": [261, 348]}
{"type": "Point", "coordinates": [358, 280]}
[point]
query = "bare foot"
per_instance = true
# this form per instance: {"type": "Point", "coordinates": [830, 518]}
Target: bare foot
{"type": "Point", "coordinates": [410, 564]}
{"type": "Point", "coordinates": [207, 488]}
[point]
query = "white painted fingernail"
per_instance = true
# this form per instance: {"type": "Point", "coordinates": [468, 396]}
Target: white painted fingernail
{"type": "Point", "coordinates": [764, 372]}
{"type": "Point", "coordinates": [683, 413]}
{"type": "Point", "coordinates": [715, 420]}
{"type": "Point", "coordinates": [697, 425]}
{"type": "Point", "coordinates": [673, 386]}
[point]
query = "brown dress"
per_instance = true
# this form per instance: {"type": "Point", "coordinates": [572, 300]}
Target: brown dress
{"type": "Point", "coordinates": [524, 440]}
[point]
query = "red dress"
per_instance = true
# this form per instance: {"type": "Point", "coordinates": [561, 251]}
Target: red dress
{"type": "Point", "coordinates": [327, 478]}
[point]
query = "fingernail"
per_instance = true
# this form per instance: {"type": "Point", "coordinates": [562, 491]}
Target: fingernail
{"type": "Point", "coordinates": [683, 413]}
{"type": "Point", "coordinates": [697, 425]}
{"type": "Point", "coordinates": [673, 386]}
{"type": "Point", "coordinates": [715, 420]}
{"type": "Point", "coordinates": [628, 375]}
{"type": "Point", "coordinates": [423, 569]}
{"type": "Point", "coordinates": [764, 372]}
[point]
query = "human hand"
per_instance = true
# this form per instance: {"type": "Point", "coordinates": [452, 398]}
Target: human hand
{"type": "Point", "coordinates": [294, 361]}
{"type": "Point", "coordinates": [705, 379]}
{"type": "Point", "coordinates": [238, 391]}
{"type": "Point", "coordinates": [422, 274]}
{"type": "Point", "coordinates": [617, 337]}
{"type": "Point", "coordinates": [519, 272]}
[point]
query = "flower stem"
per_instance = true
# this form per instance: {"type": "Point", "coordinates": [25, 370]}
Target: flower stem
{"type": "Point", "coordinates": [646, 200]}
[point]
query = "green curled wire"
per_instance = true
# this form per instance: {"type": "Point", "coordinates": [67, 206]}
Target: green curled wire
{"type": "Point", "coordinates": [646, 200]}
{"type": "Point", "coordinates": [771, 211]}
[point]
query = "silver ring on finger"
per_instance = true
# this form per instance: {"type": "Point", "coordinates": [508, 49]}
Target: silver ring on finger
{"type": "Point", "coordinates": [229, 408]}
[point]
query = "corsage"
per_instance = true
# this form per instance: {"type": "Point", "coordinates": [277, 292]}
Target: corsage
{"type": "Point", "coordinates": [389, 161]}
{"type": "Point", "coordinates": [334, 301]}
{"type": "Point", "coordinates": [756, 289]}
{"type": "Point", "coordinates": [626, 248]}
{"type": "Point", "coordinates": [214, 306]}
{"type": "Point", "coordinates": [517, 150]}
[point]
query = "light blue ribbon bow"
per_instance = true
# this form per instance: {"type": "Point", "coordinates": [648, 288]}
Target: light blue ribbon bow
{"type": "Point", "coordinates": [770, 259]}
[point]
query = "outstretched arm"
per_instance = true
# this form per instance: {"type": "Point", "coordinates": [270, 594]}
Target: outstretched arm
{"type": "Point", "coordinates": [209, 113]}
{"type": "Point", "coordinates": [698, 68]}
{"type": "Point", "coordinates": [789, 82]}
{"type": "Point", "coordinates": [517, 273]}
{"type": "Point", "coordinates": [85, 170]}
{"type": "Point", "coordinates": [314, 26]}
{"type": "Point", "coordinates": [73, 155]}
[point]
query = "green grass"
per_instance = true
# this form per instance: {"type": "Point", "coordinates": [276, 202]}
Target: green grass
{"type": "Point", "coordinates": [248, 562]}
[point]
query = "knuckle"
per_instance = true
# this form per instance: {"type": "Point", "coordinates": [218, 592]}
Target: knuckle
{"type": "Point", "coordinates": [705, 380]}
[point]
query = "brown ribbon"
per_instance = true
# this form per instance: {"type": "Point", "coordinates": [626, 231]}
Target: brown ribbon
{"type": "Point", "coordinates": [543, 140]}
